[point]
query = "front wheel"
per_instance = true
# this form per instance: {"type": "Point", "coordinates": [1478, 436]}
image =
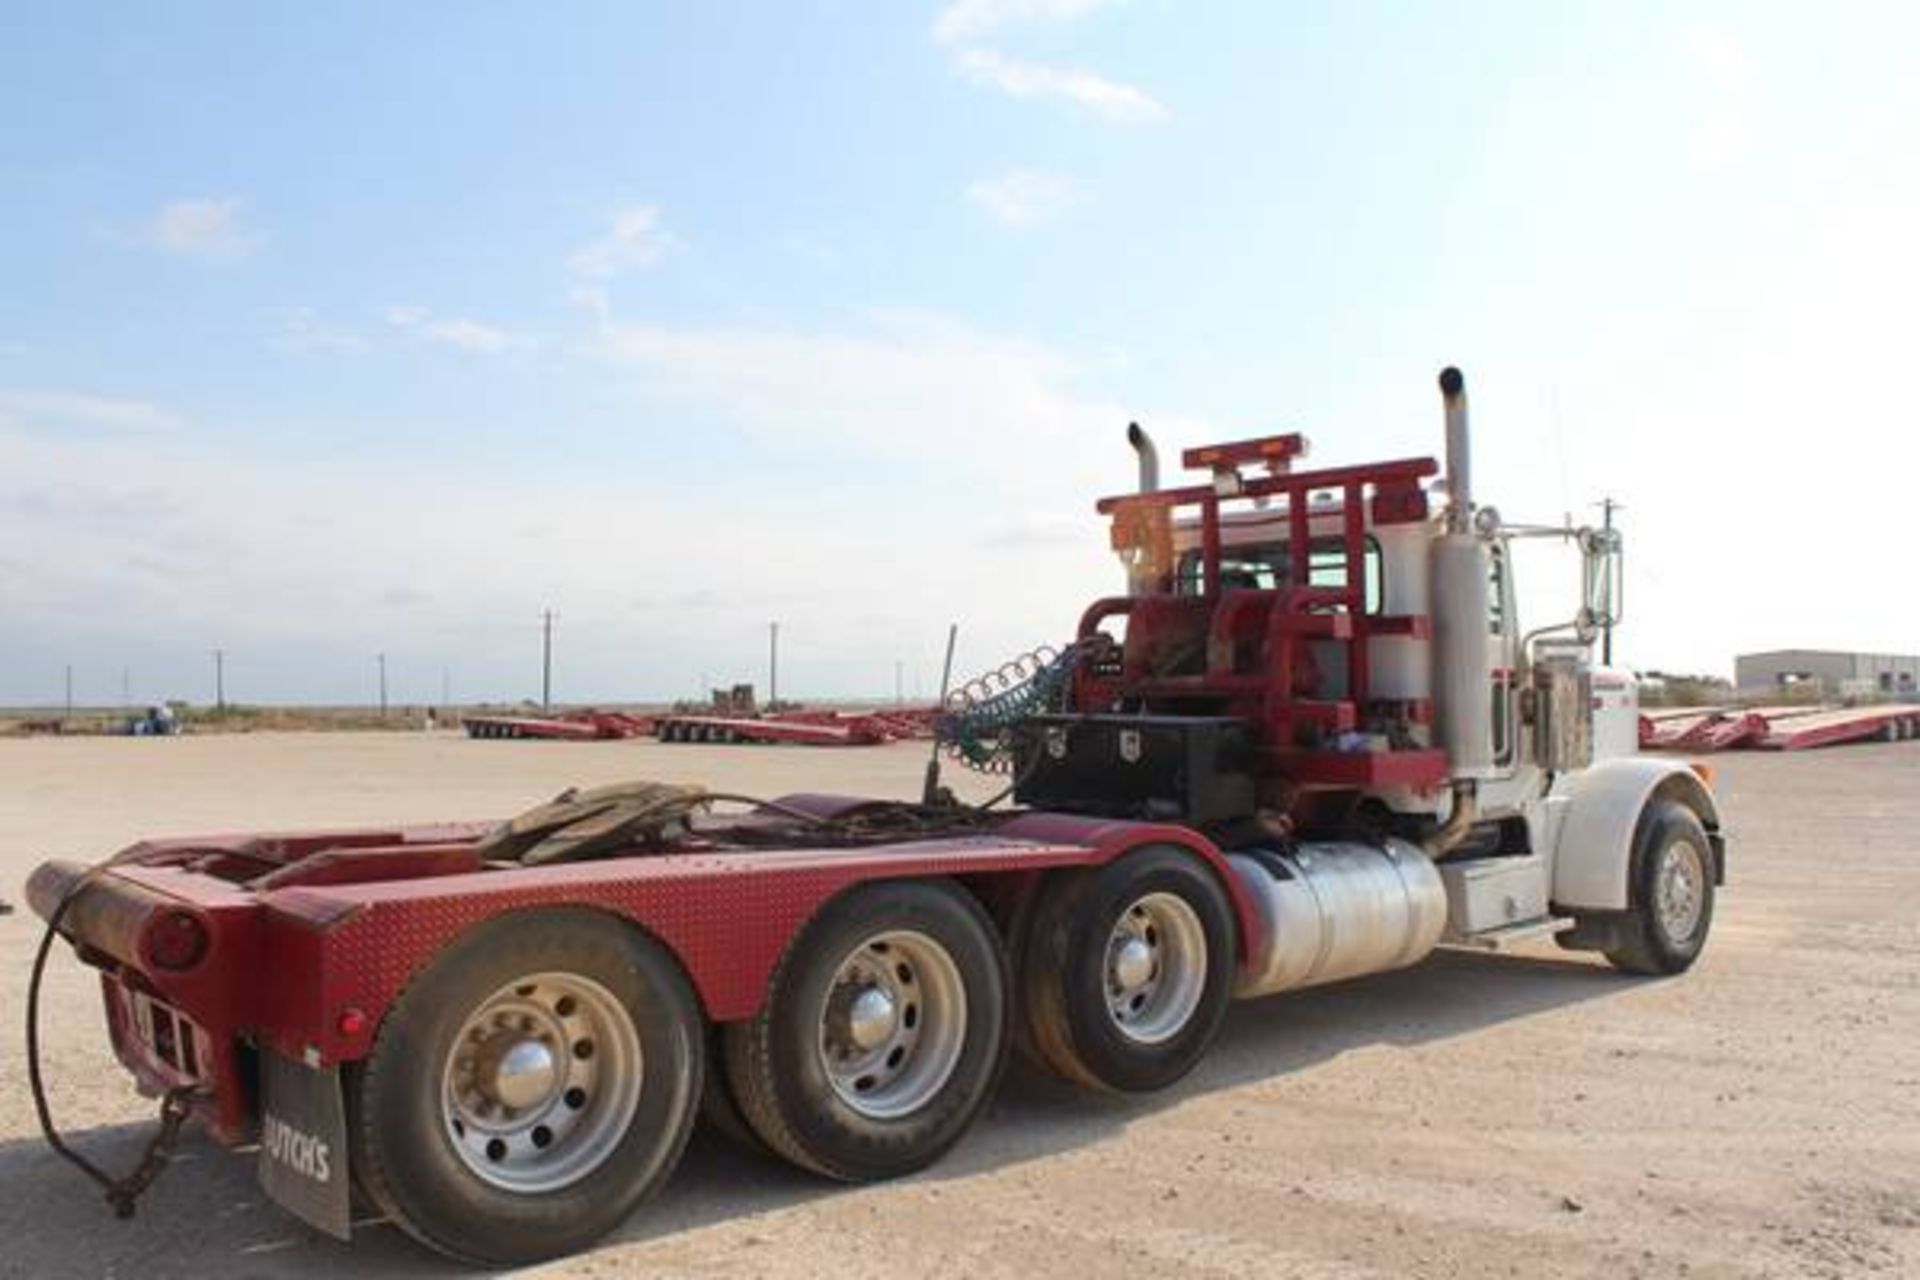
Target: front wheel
{"type": "Point", "coordinates": [1129, 970]}
{"type": "Point", "coordinates": [530, 1088]}
{"type": "Point", "coordinates": [881, 1036]}
{"type": "Point", "coordinates": [1672, 893]}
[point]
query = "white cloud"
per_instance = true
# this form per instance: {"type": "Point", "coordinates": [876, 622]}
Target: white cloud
{"type": "Point", "coordinates": [1011, 415]}
{"type": "Point", "coordinates": [993, 447]}
{"type": "Point", "coordinates": [634, 240]}
{"type": "Point", "coordinates": [1025, 197]}
{"type": "Point", "coordinates": [458, 331]}
{"type": "Point", "coordinates": [303, 330]}
{"type": "Point", "coordinates": [157, 563]}
{"type": "Point", "coordinates": [1106, 98]}
{"type": "Point", "coordinates": [202, 228]}
{"type": "Point", "coordinates": [64, 412]}
{"type": "Point", "coordinates": [970, 19]}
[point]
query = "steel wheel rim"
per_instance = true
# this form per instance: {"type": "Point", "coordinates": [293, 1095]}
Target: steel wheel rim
{"type": "Point", "coordinates": [1680, 890]}
{"type": "Point", "coordinates": [542, 1082]}
{"type": "Point", "coordinates": [1155, 968]}
{"type": "Point", "coordinates": [893, 1024]}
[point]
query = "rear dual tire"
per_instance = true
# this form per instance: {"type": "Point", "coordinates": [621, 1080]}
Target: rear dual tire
{"type": "Point", "coordinates": [882, 1035]}
{"type": "Point", "coordinates": [530, 1088]}
{"type": "Point", "coordinates": [1128, 970]}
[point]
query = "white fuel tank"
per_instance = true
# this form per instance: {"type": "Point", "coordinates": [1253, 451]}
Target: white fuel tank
{"type": "Point", "coordinates": [1333, 911]}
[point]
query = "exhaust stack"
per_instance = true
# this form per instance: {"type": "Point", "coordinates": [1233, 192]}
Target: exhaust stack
{"type": "Point", "coordinates": [1453, 393]}
{"type": "Point", "coordinates": [1149, 457]}
{"type": "Point", "coordinates": [1462, 655]}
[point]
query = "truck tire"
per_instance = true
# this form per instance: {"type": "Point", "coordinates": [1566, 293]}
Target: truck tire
{"type": "Point", "coordinates": [719, 1109]}
{"type": "Point", "coordinates": [529, 1088]}
{"type": "Point", "coordinates": [1128, 970]}
{"type": "Point", "coordinates": [881, 1036]}
{"type": "Point", "coordinates": [1671, 892]}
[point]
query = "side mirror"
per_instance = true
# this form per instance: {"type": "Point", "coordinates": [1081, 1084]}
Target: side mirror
{"type": "Point", "coordinates": [1603, 584]}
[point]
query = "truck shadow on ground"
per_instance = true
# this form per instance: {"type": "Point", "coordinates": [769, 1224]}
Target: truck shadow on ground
{"type": "Point", "coordinates": [206, 1216]}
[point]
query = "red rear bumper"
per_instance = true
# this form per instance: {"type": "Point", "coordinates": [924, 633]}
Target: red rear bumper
{"type": "Point", "coordinates": [169, 1028]}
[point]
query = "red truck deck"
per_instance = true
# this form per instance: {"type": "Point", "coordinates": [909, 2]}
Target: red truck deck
{"type": "Point", "coordinates": [581, 726]}
{"type": "Point", "coordinates": [1780, 728]}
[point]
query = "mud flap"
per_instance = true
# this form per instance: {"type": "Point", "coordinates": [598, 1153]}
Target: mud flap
{"type": "Point", "coordinates": [303, 1142]}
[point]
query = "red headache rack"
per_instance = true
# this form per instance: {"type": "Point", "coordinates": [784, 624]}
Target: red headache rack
{"type": "Point", "coordinates": [1247, 652]}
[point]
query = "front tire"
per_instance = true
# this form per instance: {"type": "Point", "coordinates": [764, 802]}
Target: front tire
{"type": "Point", "coordinates": [881, 1036]}
{"type": "Point", "coordinates": [1671, 892]}
{"type": "Point", "coordinates": [1129, 970]}
{"type": "Point", "coordinates": [530, 1088]}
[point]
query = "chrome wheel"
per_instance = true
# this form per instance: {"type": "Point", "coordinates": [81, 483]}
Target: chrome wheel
{"type": "Point", "coordinates": [1680, 890]}
{"type": "Point", "coordinates": [893, 1024]}
{"type": "Point", "coordinates": [542, 1082]}
{"type": "Point", "coordinates": [1156, 968]}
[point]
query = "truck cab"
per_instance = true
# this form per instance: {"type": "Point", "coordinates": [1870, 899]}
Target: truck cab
{"type": "Point", "coordinates": [1361, 625]}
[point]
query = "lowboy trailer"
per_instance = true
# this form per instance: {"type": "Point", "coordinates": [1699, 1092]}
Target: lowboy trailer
{"type": "Point", "coordinates": [1310, 742]}
{"type": "Point", "coordinates": [575, 726]}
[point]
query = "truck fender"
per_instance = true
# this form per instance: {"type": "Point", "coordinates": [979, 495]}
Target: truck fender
{"type": "Point", "coordinates": [1593, 855]}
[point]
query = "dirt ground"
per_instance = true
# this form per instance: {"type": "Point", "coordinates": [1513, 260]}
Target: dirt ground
{"type": "Point", "coordinates": [1532, 1115]}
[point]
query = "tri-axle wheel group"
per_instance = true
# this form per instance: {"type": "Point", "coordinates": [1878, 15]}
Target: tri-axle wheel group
{"type": "Point", "coordinates": [541, 1078]}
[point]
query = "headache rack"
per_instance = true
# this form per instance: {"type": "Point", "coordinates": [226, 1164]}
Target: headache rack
{"type": "Point", "coordinates": [1247, 652]}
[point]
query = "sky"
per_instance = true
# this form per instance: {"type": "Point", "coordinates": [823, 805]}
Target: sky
{"type": "Point", "coordinates": [335, 331]}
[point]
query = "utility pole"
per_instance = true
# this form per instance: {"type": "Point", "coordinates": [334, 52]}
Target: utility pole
{"type": "Point", "coordinates": [773, 663]}
{"type": "Point", "coordinates": [1607, 507]}
{"type": "Point", "coordinates": [220, 680]}
{"type": "Point", "coordinates": [69, 691]}
{"type": "Point", "coordinates": [546, 660]}
{"type": "Point", "coordinates": [382, 659]}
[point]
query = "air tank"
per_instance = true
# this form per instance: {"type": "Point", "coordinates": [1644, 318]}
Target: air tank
{"type": "Point", "coordinates": [1329, 911]}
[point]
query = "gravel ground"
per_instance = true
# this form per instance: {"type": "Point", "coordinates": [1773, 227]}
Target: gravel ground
{"type": "Point", "coordinates": [1526, 1115]}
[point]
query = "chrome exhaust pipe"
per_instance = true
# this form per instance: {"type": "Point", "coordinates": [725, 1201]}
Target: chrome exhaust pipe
{"type": "Point", "coordinates": [1465, 812]}
{"type": "Point", "coordinates": [1149, 457]}
{"type": "Point", "coordinates": [1453, 391]}
{"type": "Point", "coordinates": [1462, 664]}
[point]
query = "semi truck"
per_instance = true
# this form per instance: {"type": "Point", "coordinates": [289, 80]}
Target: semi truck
{"type": "Point", "coordinates": [1310, 741]}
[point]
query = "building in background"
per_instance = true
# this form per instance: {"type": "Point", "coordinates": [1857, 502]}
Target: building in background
{"type": "Point", "coordinates": [1833, 674]}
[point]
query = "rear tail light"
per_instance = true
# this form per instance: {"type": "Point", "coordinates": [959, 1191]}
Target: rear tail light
{"type": "Point", "coordinates": [175, 940]}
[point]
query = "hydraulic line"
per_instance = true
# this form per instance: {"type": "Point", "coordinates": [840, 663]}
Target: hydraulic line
{"type": "Point", "coordinates": [982, 717]}
{"type": "Point", "coordinates": [123, 1193]}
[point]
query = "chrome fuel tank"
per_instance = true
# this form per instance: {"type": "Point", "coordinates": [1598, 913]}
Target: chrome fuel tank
{"type": "Point", "coordinates": [1333, 911]}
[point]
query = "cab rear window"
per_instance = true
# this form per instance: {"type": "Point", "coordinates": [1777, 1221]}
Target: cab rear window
{"type": "Point", "coordinates": [1267, 567]}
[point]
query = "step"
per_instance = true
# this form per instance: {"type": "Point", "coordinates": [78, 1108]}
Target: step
{"type": "Point", "coordinates": [1512, 934]}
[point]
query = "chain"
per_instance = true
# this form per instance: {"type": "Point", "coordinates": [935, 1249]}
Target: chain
{"type": "Point", "coordinates": [124, 1193]}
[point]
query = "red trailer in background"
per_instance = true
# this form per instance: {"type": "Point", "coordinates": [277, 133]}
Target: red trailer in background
{"type": "Point", "coordinates": [571, 726]}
